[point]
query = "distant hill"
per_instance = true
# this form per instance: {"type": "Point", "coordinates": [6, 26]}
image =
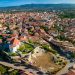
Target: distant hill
{"type": "Point", "coordinates": [38, 7]}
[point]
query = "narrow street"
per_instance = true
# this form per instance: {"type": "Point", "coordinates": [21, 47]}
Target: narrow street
{"type": "Point", "coordinates": [65, 69]}
{"type": "Point", "coordinates": [27, 70]}
{"type": "Point", "coordinates": [12, 66]}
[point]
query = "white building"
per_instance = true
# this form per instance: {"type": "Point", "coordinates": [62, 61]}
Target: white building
{"type": "Point", "coordinates": [14, 45]}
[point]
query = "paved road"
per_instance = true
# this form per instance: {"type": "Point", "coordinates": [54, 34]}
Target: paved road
{"type": "Point", "coordinates": [27, 70]}
{"type": "Point", "coordinates": [65, 69]}
{"type": "Point", "coordinates": [12, 66]}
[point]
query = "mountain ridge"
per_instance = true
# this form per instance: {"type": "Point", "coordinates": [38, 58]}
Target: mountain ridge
{"type": "Point", "coordinates": [28, 7]}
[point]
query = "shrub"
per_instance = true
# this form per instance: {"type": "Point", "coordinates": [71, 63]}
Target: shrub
{"type": "Point", "coordinates": [48, 48]}
{"type": "Point", "coordinates": [25, 48]}
{"type": "Point", "coordinates": [2, 69]}
{"type": "Point", "coordinates": [15, 72]}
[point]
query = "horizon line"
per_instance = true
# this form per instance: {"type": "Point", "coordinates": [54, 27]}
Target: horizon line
{"type": "Point", "coordinates": [35, 3]}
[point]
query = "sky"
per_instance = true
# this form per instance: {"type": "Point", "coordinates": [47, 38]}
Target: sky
{"type": "Point", "coordinates": [5, 3]}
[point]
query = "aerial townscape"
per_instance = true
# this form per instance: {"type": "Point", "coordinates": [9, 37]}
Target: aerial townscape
{"type": "Point", "coordinates": [37, 39]}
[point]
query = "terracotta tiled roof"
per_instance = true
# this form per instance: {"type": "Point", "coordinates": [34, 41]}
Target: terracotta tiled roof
{"type": "Point", "coordinates": [15, 42]}
{"type": "Point", "coordinates": [0, 40]}
{"type": "Point", "coordinates": [23, 38]}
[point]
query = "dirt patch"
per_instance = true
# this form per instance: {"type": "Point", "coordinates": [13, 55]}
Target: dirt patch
{"type": "Point", "coordinates": [45, 62]}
